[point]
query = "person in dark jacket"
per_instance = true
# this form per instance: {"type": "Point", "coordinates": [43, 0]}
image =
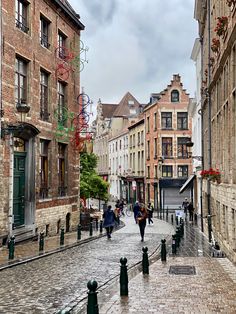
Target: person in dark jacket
{"type": "Point", "coordinates": [141, 219]}
{"type": "Point", "coordinates": [190, 210]}
{"type": "Point", "coordinates": [150, 213]}
{"type": "Point", "coordinates": [109, 221]}
{"type": "Point", "coordinates": [136, 209]}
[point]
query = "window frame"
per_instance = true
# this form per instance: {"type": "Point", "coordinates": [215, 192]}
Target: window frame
{"type": "Point", "coordinates": [168, 171]}
{"type": "Point", "coordinates": [166, 120]}
{"type": "Point", "coordinates": [181, 124]}
{"type": "Point", "coordinates": [44, 95]}
{"type": "Point", "coordinates": [61, 94]}
{"type": "Point", "coordinates": [182, 151]}
{"type": "Point", "coordinates": [21, 80]}
{"type": "Point", "coordinates": [44, 169]}
{"type": "Point", "coordinates": [182, 169]}
{"type": "Point", "coordinates": [62, 169]}
{"type": "Point", "coordinates": [167, 147]}
{"type": "Point", "coordinates": [21, 15]}
{"type": "Point", "coordinates": [44, 34]}
{"type": "Point", "coordinates": [175, 95]}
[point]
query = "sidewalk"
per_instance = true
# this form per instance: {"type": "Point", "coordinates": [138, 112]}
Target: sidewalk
{"type": "Point", "coordinates": [27, 251]}
{"type": "Point", "coordinates": [211, 290]}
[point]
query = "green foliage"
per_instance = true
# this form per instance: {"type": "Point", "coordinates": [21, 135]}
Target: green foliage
{"type": "Point", "coordinates": [91, 184]}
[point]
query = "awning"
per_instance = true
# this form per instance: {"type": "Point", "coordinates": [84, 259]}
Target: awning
{"type": "Point", "coordinates": [187, 183]}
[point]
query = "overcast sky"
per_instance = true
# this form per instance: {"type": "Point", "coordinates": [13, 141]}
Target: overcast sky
{"type": "Point", "coordinates": [136, 46]}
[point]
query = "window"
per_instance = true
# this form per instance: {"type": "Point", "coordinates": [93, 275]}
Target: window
{"type": "Point", "coordinates": [182, 171]}
{"type": "Point", "coordinates": [21, 15]}
{"type": "Point", "coordinates": [44, 114]}
{"type": "Point", "coordinates": [62, 169]}
{"type": "Point", "coordinates": [148, 125]}
{"type": "Point", "coordinates": [148, 150]}
{"type": "Point", "coordinates": [148, 171]}
{"type": "Point", "coordinates": [155, 121]}
{"type": "Point", "coordinates": [62, 52]}
{"type": "Point", "coordinates": [148, 192]}
{"type": "Point", "coordinates": [133, 140]}
{"type": "Point", "coordinates": [20, 81]}
{"type": "Point", "coordinates": [155, 148]}
{"type": "Point", "coordinates": [182, 120]}
{"type": "Point", "coordinates": [167, 171]}
{"type": "Point", "coordinates": [130, 141]}
{"type": "Point", "coordinates": [61, 104]}
{"type": "Point", "coordinates": [43, 169]}
{"type": "Point", "coordinates": [155, 171]}
{"type": "Point", "coordinates": [116, 146]}
{"type": "Point", "coordinates": [166, 120]}
{"type": "Point", "coordinates": [120, 144]}
{"type": "Point", "coordinates": [174, 96]}
{"type": "Point", "coordinates": [138, 139]}
{"type": "Point", "coordinates": [182, 148]}
{"type": "Point", "coordinates": [44, 32]}
{"type": "Point", "coordinates": [167, 147]}
{"type": "Point", "coordinates": [141, 137]}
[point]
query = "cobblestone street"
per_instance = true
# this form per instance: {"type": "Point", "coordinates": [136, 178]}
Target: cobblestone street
{"type": "Point", "coordinates": [48, 284]}
{"type": "Point", "coordinates": [211, 290]}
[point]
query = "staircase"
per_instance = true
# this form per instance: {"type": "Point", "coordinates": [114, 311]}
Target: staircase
{"type": "Point", "coordinates": [24, 233]}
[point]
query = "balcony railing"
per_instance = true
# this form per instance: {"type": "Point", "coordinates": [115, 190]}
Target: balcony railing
{"type": "Point", "coordinates": [22, 26]}
{"type": "Point", "coordinates": [43, 193]}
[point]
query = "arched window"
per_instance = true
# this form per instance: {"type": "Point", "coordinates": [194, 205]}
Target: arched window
{"type": "Point", "coordinates": [174, 96]}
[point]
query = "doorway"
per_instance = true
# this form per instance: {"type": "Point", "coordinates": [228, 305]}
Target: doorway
{"type": "Point", "coordinates": [19, 189]}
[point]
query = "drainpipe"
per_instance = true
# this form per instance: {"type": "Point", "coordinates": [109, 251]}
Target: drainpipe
{"type": "Point", "coordinates": [1, 108]}
{"type": "Point", "coordinates": [10, 214]}
{"type": "Point", "coordinates": [209, 124]}
{"type": "Point", "coordinates": [202, 136]}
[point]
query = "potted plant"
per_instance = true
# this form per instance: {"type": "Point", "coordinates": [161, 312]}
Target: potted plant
{"type": "Point", "coordinates": [215, 46]}
{"type": "Point", "coordinates": [221, 25]}
{"type": "Point", "coordinates": [211, 174]}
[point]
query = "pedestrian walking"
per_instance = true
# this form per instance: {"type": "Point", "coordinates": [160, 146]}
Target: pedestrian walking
{"type": "Point", "coordinates": [150, 213]}
{"type": "Point", "coordinates": [141, 219]}
{"type": "Point", "coordinates": [190, 210]}
{"type": "Point", "coordinates": [121, 206]}
{"type": "Point", "coordinates": [185, 206]}
{"type": "Point", "coordinates": [109, 221]}
{"type": "Point", "coordinates": [136, 209]}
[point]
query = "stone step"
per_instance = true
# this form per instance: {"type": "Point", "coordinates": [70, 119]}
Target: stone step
{"type": "Point", "coordinates": [24, 234]}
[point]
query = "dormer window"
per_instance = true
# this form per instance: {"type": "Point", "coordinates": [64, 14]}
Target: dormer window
{"type": "Point", "coordinates": [174, 96]}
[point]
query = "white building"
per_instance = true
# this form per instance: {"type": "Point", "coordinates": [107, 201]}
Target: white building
{"type": "Point", "coordinates": [194, 110]}
{"type": "Point", "coordinates": [118, 164]}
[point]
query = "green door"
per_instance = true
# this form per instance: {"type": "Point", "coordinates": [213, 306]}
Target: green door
{"type": "Point", "coordinates": [19, 189]}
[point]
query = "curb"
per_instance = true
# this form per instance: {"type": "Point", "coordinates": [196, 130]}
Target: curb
{"type": "Point", "coordinates": [25, 260]}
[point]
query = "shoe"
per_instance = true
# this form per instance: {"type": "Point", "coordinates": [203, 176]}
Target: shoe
{"type": "Point", "coordinates": [142, 240]}
{"type": "Point", "coordinates": [109, 236]}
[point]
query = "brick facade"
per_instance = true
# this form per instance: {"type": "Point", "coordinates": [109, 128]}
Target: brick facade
{"type": "Point", "coordinates": [25, 45]}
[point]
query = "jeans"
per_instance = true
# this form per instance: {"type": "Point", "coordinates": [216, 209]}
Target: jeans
{"type": "Point", "coordinates": [109, 231]}
{"type": "Point", "coordinates": [142, 225]}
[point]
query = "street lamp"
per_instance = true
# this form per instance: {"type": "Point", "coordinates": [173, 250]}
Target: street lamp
{"type": "Point", "coordinates": [189, 145]}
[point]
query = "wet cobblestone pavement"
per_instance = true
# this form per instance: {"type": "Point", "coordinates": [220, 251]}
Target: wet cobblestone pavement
{"type": "Point", "coordinates": [211, 290]}
{"type": "Point", "coordinates": [48, 284]}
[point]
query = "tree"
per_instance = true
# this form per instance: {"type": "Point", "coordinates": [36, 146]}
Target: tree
{"type": "Point", "coordinates": [91, 184]}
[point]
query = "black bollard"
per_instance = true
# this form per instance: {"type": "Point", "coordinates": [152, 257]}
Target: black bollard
{"type": "Point", "coordinates": [91, 228]}
{"type": "Point", "coordinates": [145, 261]}
{"type": "Point", "coordinates": [163, 250]}
{"type": "Point", "coordinates": [79, 232]}
{"type": "Point", "coordinates": [176, 220]}
{"type": "Point", "coordinates": [123, 277]}
{"type": "Point", "coordinates": [92, 306]}
{"type": "Point", "coordinates": [173, 244]}
{"type": "Point", "coordinates": [41, 241]}
{"type": "Point", "coordinates": [172, 219]}
{"type": "Point", "coordinates": [101, 225]}
{"type": "Point", "coordinates": [11, 247]}
{"type": "Point", "coordinates": [62, 236]}
{"type": "Point", "coordinates": [96, 223]}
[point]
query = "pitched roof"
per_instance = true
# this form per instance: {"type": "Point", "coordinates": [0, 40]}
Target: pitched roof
{"type": "Point", "coordinates": [108, 110]}
{"type": "Point", "coordinates": [127, 102]}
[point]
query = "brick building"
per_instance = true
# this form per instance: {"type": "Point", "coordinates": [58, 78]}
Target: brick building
{"type": "Point", "coordinates": [39, 90]}
{"type": "Point", "coordinates": [167, 129]}
{"type": "Point", "coordinates": [217, 32]}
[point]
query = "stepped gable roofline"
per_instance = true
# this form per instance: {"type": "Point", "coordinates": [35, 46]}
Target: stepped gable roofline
{"type": "Point", "coordinates": [123, 106]}
{"type": "Point", "coordinates": [176, 78]}
{"type": "Point", "coordinates": [69, 12]}
{"type": "Point", "coordinates": [108, 110]}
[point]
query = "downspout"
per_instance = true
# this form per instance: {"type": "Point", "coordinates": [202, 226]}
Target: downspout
{"type": "Point", "coordinates": [1, 107]}
{"type": "Point", "coordinates": [11, 176]}
{"type": "Point", "coordinates": [202, 135]}
{"type": "Point", "coordinates": [209, 125]}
